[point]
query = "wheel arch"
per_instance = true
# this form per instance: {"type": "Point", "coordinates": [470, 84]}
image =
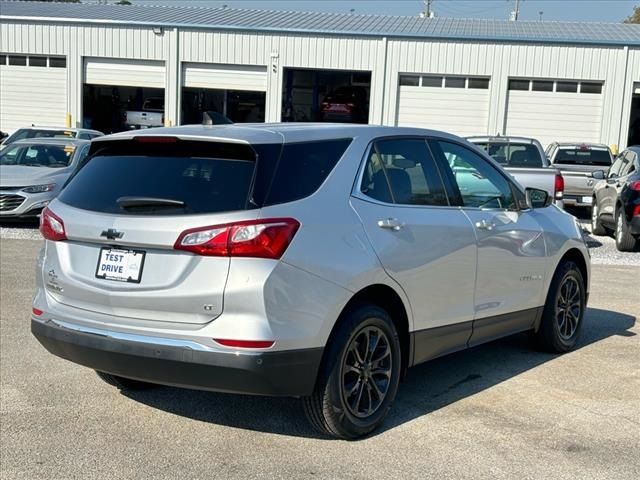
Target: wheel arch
{"type": "Point", "coordinates": [390, 300]}
{"type": "Point", "coordinates": [576, 256]}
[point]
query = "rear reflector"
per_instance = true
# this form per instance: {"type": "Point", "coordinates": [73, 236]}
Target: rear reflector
{"type": "Point", "coordinates": [635, 186]}
{"type": "Point", "coordinates": [52, 226]}
{"type": "Point", "coordinates": [152, 139]}
{"type": "Point", "coordinates": [559, 187]}
{"type": "Point", "coordinates": [37, 312]}
{"type": "Point", "coordinates": [266, 238]}
{"type": "Point", "coordinates": [245, 343]}
{"type": "Point", "coordinates": [636, 211]}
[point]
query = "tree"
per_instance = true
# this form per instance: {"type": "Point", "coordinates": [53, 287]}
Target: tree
{"type": "Point", "coordinates": [635, 16]}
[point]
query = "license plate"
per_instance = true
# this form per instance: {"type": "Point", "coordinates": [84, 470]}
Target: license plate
{"type": "Point", "coordinates": [120, 265]}
{"type": "Point", "coordinates": [587, 200]}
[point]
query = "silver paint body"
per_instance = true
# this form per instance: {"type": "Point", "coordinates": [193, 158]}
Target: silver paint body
{"type": "Point", "coordinates": [440, 264]}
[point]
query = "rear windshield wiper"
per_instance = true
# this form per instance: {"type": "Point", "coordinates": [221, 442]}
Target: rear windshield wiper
{"type": "Point", "coordinates": [149, 202]}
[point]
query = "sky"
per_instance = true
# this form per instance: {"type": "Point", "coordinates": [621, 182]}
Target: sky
{"type": "Point", "coordinates": [559, 10]}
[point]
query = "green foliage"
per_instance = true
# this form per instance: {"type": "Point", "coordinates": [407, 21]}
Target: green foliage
{"type": "Point", "coordinates": [635, 16]}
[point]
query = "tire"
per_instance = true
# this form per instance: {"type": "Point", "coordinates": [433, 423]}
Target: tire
{"type": "Point", "coordinates": [596, 226]}
{"type": "Point", "coordinates": [344, 393]}
{"type": "Point", "coordinates": [125, 383]}
{"type": "Point", "coordinates": [559, 330]}
{"type": "Point", "coordinates": [625, 242]}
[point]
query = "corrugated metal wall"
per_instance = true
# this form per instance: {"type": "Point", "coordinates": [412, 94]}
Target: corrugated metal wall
{"type": "Point", "coordinates": [618, 67]}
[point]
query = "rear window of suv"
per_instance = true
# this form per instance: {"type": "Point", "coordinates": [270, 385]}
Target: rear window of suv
{"type": "Point", "coordinates": [524, 155]}
{"type": "Point", "coordinates": [583, 156]}
{"type": "Point", "coordinates": [205, 177]}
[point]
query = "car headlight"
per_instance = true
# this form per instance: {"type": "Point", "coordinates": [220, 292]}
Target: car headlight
{"type": "Point", "coordinates": [39, 188]}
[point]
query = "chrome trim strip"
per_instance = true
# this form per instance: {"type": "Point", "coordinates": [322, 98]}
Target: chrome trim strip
{"type": "Point", "coordinates": [131, 337]}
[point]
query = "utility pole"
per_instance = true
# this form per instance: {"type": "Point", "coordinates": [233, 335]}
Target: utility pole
{"type": "Point", "coordinates": [516, 12]}
{"type": "Point", "coordinates": [428, 11]}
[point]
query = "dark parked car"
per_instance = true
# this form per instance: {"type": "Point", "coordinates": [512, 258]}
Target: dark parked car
{"type": "Point", "coordinates": [346, 104]}
{"type": "Point", "coordinates": [616, 200]}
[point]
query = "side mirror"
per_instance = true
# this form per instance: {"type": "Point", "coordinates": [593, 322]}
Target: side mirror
{"type": "Point", "coordinates": [537, 198]}
{"type": "Point", "coordinates": [598, 174]}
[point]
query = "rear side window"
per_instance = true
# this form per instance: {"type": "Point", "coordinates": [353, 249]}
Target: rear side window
{"type": "Point", "coordinates": [583, 156]}
{"type": "Point", "coordinates": [524, 155]}
{"type": "Point", "coordinates": [206, 177]}
{"type": "Point", "coordinates": [303, 167]}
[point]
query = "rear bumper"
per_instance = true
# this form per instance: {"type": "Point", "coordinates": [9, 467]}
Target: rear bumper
{"type": "Point", "coordinates": [574, 200]}
{"type": "Point", "coordinates": [634, 226]}
{"type": "Point", "coordinates": [172, 362]}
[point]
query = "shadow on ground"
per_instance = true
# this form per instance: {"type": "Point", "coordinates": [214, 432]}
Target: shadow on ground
{"type": "Point", "coordinates": [427, 388]}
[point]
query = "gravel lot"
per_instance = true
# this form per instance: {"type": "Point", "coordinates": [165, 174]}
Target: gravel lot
{"type": "Point", "coordinates": [497, 411]}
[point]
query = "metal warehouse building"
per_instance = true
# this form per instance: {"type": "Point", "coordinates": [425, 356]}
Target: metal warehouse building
{"type": "Point", "coordinates": [86, 65]}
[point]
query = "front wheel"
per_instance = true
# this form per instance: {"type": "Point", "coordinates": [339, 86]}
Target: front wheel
{"type": "Point", "coordinates": [564, 310]}
{"type": "Point", "coordinates": [359, 377]}
{"type": "Point", "coordinates": [625, 242]}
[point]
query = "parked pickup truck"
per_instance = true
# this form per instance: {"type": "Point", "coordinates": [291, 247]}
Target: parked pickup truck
{"type": "Point", "coordinates": [151, 115]}
{"type": "Point", "coordinates": [525, 160]}
{"type": "Point", "coordinates": [576, 162]}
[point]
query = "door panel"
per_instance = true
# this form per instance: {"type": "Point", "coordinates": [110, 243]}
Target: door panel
{"type": "Point", "coordinates": [432, 256]}
{"type": "Point", "coordinates": [511, 246]}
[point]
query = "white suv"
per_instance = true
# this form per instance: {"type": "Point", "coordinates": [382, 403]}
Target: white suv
{"type": "Point", "coordinates": [317, 261]}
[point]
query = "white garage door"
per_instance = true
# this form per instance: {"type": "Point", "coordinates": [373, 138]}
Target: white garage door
{"type": "Point", "coordinates": [563, 111]}
{"type": "Point", "coordinates": [225, 77]}
{"type": "Point", "coordinates": [456, 105]}
{"type": "Point", "coordinates": [125, 73]}
{"type": "Point", "coordinates": [33, 93]}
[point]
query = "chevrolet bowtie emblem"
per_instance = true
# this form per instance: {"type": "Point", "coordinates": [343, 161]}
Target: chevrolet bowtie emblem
{"type": "Point", "coordinates": [112, 234]}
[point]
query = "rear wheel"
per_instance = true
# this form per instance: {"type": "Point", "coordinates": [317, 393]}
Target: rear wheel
{"type": "Point", "coordinates": [359, 377]}
{"type": "Point", "coordinates": [625, 242]}
{"type": "Point", "coordinates": [125, 383]}
{"type": "Point", "coordinates": [564, 310]}
{"type": "Point", "coordinates": [596, 226]}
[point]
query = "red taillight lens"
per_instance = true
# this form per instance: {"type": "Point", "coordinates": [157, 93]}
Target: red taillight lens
{"type": "Point", "coordinates": [244, 343]}
{"type": "Point", "coordinates": [52, 226]}
{"type": "Point", "coordinates": [36, 311]}
{"type": "Point", "coordinates": [635, 186]}
{"type": "Point", "coordinates": [636, 211]}
{"type": "Point", "coordinates": [559, 187]}
{"type": "Point", "coordinates": [268, 238]}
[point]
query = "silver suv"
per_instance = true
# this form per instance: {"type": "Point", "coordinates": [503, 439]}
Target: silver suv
{"type": "Point", "coordinates": [316, 261]}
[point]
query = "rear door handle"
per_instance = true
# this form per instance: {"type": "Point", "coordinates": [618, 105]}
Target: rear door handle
{"type": "Point", "coordinates": [391, 223]}
{"type": "Point", "coordinates": [484, 225]}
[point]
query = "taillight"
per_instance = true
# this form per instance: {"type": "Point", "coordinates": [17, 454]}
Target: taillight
{"type": "Point", "coordinates": [635, 186]}
{"type": "Point", "coordinates": [268, 238]}
{"type": "Point", "coordinates": [155, 139]}
{"type": "Point", "coordinates": [52, 226]}
{"type": "Point", "coordinates": [558, 187]}
{"type": "Point", "coordinates": [36, 311]}
{"type": "Point", "coordinates": [244, 343]}
{"type": "Point", "coordinates": [636, 211]}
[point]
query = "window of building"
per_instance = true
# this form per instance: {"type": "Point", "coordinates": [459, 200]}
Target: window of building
{"type": "Point", "coordinates": [454, 82]}
{"type": "Point", "coordinates": [568, 87]}
{"type": "Point", "coordinates": [18, 60]}
{"type": "Point", "coordinates": [37, 61]}
{"type": "Point", "coordinates": [542, 86]}
{"type": "Point", "coordinates": [409, 80]}
{"type": "Point", "coordinates": [519, 85]}
{"type": "Point", "coordinates": [590, 87]}
{"type": "Point", "coordinates": [431, 81]}
{"type": "Point", "coordinates": [58, 62]}
{"type": "Point", "coordinates": [482, 83]}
